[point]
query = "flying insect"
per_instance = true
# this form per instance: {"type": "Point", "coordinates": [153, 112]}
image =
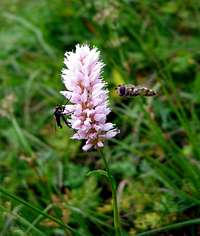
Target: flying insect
{"type": "Point", "coordinates": [129, 90]}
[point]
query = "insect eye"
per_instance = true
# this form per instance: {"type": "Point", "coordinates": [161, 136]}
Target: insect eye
{"type": "Point", "coordinates": [122, 90]}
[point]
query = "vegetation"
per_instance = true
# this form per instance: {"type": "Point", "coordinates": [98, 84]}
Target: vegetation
{"type": "Point", "coordinates": [44, 187]}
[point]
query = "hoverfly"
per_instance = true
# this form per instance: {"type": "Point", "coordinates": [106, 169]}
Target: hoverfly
{"type": "Point", "coordinates": [129, 90]}
{"type": "Point", "coordinates": [59, 113]}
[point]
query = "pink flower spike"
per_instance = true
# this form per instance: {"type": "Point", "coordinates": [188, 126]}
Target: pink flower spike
{"type": "Point", "coordinates": [88, 97]}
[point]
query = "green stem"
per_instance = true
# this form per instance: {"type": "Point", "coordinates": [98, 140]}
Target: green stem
{"type": "Point", "coordinates": [36, 209]}
{"type": "Point", "coordinates": [117, 224]}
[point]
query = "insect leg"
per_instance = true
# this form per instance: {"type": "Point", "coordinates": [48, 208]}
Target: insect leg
{"type": "Point", "coordinates": [66, 121]}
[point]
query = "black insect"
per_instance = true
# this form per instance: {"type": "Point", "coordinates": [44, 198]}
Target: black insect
{"type": "Point", "coordinates": [129, 90]}
{"type": "Point", "coordinates": [59, 114]}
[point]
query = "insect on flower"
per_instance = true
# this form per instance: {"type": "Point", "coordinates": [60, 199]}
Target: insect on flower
{"type": "Point", "coordinates": [129, 90]}
{"type": "Point", "coordinates": [86, 91]}
{"type": "Point", "coordinates": [59, 113]}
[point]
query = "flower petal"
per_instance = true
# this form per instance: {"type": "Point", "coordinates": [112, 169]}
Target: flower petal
{"type": "Point", "coordinates": [86, 147]}
{"type": "Point", "coordinates": [112, 133]}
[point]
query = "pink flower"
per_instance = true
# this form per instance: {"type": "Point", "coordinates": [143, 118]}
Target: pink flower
{"type": "Point", "coordinates": [88, 96]}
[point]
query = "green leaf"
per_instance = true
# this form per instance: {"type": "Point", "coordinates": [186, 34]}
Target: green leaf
{"type": "Point", "coordinates": [97, 173]}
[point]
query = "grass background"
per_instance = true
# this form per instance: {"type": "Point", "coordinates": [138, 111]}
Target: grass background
{"type": "Point", "coordinates": [156, 157]}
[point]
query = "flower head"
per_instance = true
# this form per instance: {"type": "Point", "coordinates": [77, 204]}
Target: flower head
{"type": "Point", "coordinates": [88, 96]}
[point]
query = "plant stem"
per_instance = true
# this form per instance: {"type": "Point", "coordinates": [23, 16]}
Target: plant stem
{"type": "Point", "coordinates": [117, 224]}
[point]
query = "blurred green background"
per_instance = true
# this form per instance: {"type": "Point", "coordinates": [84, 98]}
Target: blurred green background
{"type": "Point", "coordinates": [156, 157]}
